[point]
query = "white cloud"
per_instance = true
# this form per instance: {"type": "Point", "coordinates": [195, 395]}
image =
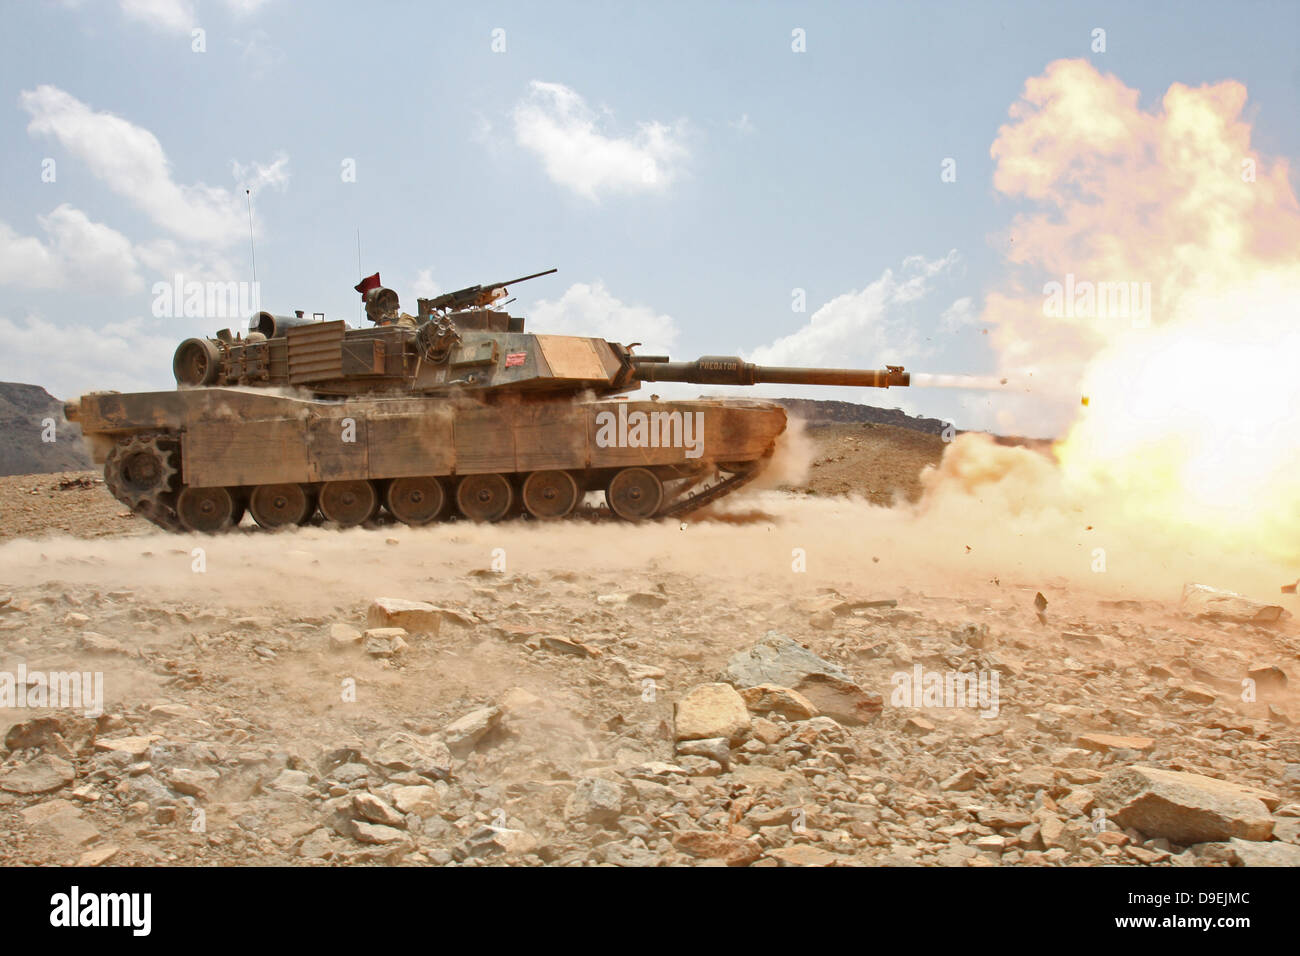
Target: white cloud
{"type": "Point", "coordinates": [424, 287]}
{"type": "Point", "coordinates": [170, 16]}
{"type": "Point", "coordinates": [589, 309]}
{"type": "Point", "coordinates": [131, 161]}
{"type": "Point", "coordinates": [958, 316]}
{"type": "Point", "coordinates": [255, 176]}
{"type": "Point", "coordinates": [90, 254]}
{"type": "Point", "coordinates": [243, 8]}
{"type": "Point", "coordinates": [69, 360]}
{"type": "Point", "coordinates": [555, 122]}
{"type": "Point", "coordinates": [865, 329]}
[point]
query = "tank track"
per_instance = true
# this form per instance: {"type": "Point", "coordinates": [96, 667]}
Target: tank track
{"type": "Point", "coordinates": [148, 491]}
{"type": "Point", "coordinates": [143, 472]}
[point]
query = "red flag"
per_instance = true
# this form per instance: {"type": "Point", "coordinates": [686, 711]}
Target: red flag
{"type": "Point", "coordinates": [368, 283]}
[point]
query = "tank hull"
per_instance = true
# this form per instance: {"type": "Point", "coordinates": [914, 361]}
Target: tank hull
{"type": "Point", "coordinates": [242, 439]}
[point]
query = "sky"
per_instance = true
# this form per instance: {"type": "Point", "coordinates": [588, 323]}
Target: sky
{"type": "Point", "coordinates": [799, 184]}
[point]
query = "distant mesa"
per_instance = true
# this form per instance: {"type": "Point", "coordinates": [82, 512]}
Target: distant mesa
{"type": "Point", "coordinates": [816, 411]}
{"type": "Point", "coordinates": [23, 409]}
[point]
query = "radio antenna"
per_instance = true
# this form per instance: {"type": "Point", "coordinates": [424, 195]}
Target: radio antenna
{"type": "Point", "coordinates": [248, 194]}
{"type": "Point", "coordinates": [359, 275]}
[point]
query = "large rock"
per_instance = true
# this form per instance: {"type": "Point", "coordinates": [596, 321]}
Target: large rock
{"type": "Point", "coordinates": [1185, 807]}
{"type": "Point", "coordinates": [711, 710]}
{"type": "Point", "coordinates": [778, 660]}
{"type": "Point", "coordinates": [1245, 853]}
{"type": "Point", "coordinates": [1211, 604]}
{"type": "Point", "coordinates": [416, 617]}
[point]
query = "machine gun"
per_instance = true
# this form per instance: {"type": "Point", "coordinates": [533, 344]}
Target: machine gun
{"type": "Point", "coordinates": [472, 297]}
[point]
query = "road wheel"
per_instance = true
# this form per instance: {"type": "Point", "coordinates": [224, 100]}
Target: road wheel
{"type": "Point", "coordinates": [415, 501]}
{"type": "Point", "coordinates": [348, 503]}
{"type": "Point", "coordinates": [207, 510]}
{"type": "Point", "coordinates": [635, 494]}
{"type": "Point", "coordinates": [277, 506]}
{"type": "Point", "coordinates": [484, 497]}
{"type": "Point", "coordinates": [550, 494]}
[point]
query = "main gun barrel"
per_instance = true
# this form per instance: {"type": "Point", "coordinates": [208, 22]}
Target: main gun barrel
{"type": "Point", "coordinates": [729, 370]}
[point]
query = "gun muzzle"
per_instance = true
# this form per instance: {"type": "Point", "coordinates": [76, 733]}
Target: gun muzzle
{"type": "Point", "coordinates": [729, 370]}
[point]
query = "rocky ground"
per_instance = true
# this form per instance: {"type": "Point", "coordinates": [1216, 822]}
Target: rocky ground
{"type": "Point", "coordinates": [606, 694]}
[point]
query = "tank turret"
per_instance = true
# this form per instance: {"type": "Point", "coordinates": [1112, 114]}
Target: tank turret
{"type": "Point", "coordinates": [458, 342]}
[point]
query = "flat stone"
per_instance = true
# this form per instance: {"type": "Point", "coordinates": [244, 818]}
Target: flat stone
{"type": "Point", "coordinates": [1184, 807]}
{"type": "Point", "coordinates": [710, 710]}
{"type": "Point", "coordinates": [463, 734]}
{"type": "Point", "coordinates": [94, 643]}
{"type": "Point", "coordinates": [415, 617]}
{"type": "Point", "coordinates": [375, 833]}
{"type": "Point", "coordinates": [99, 855]}
{"type": "Point", "coordinates": [344, 637]}
{"type": "Point", "coordinates": [42, 774]}
{"type": "Point", "coordinates": [1003, 819]}
{"type": "Point", "coordinates": [134, 746]}
{"type": "Point", "coordinates": [802, 855]}
{"type": "Point", "coordinates": [1102, 743]}
{"type": "Point", "coordinates": [70, 828]}
{"type": "Point", "coordinates": [40, 812]}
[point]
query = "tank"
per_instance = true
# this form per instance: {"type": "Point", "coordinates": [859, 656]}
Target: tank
{"type": "Point", "coordinates": [455, 411]}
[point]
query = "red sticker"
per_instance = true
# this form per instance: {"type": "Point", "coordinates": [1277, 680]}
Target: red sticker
{"type": "Point", "coordinates": [515, 358]}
